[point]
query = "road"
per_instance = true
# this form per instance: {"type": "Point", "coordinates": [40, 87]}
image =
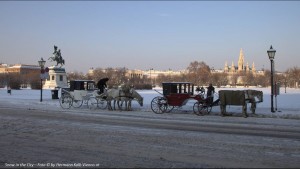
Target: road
{"type": "Point", "coordinates": [89, 138]}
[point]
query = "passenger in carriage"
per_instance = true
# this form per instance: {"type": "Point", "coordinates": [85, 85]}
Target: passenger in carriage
{"type": "Point", "coordinates": [210, 93]}
{"type": "Point", "coordinates": [102, 84]}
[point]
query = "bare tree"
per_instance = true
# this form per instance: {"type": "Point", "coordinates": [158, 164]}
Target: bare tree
{"type": "Point", "coordinates": [76, 76]}
{"type": "Point", "coordinates": [199, 73]}
{"type": "Point", "coordinates": [14, 80]}
{"type": "Point", "coordinates": [2, 80]}
{"type": "Point", "coordinates": [219, 79]}
{"type": "Point", "coordinates": [293, 76]}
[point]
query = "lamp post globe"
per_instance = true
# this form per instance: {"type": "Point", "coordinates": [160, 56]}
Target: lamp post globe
{"type": "Point", "coordinates": [271, 53]}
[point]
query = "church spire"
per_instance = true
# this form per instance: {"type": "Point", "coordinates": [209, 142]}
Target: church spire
{"type": "Point", "coordinates": [253, 68]}
{"type": "Point", "coordinates": [241, 61]}
{"type": "Point", "coordinates": [226, 67]}
{"type": "Point", "coordinates": [247, 67]}
{"type": "Point", "coordinates": [232, 69]}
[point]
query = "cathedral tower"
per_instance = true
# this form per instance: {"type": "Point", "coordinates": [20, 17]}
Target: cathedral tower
{"type": "Point", "coordinates": [241, 61]}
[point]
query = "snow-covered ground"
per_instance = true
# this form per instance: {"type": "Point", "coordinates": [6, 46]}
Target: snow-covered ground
{"type": "Point", "coordinates": [288, 105]}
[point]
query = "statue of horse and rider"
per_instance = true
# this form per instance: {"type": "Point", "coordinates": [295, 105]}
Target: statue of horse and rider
{"type": "Point", "coordinates": [57, 57]}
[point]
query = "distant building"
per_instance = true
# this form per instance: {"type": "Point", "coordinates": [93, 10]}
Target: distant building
{"type": "Point", "coordinates": [153, 74]}
{"type": "Point", "coordinates": [19, 68]}
{"type": "Point", "coordinates": [236, 72]}
{"type": "Point", "coordinates": [150, 73]}
{"type": "Point", "coordinates": [26, 72]}
{"type": "Point", "coordinates": [241, 65]}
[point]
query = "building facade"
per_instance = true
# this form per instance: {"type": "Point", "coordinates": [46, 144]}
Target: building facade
{"type": "Point", "coordinates": [25, 73]}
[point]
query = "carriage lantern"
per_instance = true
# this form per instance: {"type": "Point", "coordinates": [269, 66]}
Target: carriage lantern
{"type": "Point", "coordinates": [41, 64]}
{"type": "Point", "coordinates": [271, 53]}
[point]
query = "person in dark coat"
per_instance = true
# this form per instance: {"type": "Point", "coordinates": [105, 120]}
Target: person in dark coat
{"type": "Point", "coordinates": [210, 93]}
{"type": "Point", "coordinates": [102, 84]}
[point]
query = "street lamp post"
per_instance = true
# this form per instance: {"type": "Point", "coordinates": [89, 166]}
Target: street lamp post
{"type": "Point", "coordinates": [271, 53]}
{"type": "Point", "coordinates": [41, 64]}
{"type": "Point", "coordinates": [150, 76]}
{"type": "Point", "coordinates": [285, 83]}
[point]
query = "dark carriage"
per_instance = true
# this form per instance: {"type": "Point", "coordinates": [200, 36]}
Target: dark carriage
{"type": "Point", "coordinates": [175, 94]}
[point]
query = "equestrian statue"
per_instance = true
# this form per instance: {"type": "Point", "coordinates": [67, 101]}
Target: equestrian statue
{"type": "Point", "coordinates": [57, 57]}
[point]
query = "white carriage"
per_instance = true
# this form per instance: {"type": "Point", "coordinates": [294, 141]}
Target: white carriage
{"type": "Point", "coordinates": [82, 92]}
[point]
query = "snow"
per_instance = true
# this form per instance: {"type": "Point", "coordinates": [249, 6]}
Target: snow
{"type": "Point", "coordinates": [287, 103]}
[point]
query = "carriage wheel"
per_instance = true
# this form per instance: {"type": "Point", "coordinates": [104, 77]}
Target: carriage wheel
{"type": "Point", "coordinates": [199, 108]}
{"type": "Point", "coordinates": [65, 101]}
{"type": "Point", "coordinates": [195, 108]}
{"type": "Point", "coordinates": [159, 105]}
{"type": "Point", "coordinates": [93, 103]}
{"type": "Point", "coordinates": [77, 103]}
{"type": "Point", "coordinates": [102, 104]}
{"type": "Point", "coordinates": [204, 109]}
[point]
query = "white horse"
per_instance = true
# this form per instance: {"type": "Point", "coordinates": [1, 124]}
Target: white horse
{"type": "Point", "coordinates": [119, 96]}
{"type": "Point", "coordinates": [134, 95]}
{"type": "Point", "coordinates": [114, 95]}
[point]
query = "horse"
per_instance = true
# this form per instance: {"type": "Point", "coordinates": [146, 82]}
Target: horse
{"type": "Point", "coordinates": [240, 97]}
{"type": "Point", "coordinates": [134, 96]}
{"type": "Point", "coordinates": [253, 97]}
{"type": "Point", "coordinates": [112, 95]}
{"type": "Point", "coordinates": [116, 94]}
{"type": "Point", "coordinates": [119, 95]}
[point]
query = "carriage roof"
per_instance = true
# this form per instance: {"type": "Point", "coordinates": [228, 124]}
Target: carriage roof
{"type": "Point", "coordinates": [177, 88]}
{"type": "Point", "coordinates": [82, 85]}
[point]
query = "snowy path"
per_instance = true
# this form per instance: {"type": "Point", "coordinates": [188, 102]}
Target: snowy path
{"type": "Point", "coordinates": [115, 139]}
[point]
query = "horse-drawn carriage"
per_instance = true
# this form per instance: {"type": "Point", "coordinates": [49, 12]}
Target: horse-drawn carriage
{"type": "Point", "coordinates": [82, 91]}
{"type": "Point", "coordinates": [85, 91]}
{"type": "Point", "coordinates": [177, 94]}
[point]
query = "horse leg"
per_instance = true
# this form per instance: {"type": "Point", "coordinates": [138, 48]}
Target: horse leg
{"type": "Point", "coordinates": [115, 104]}
{"type": "Point", "coordinates": [126, 105]}
{"type": "Point", "coordinates": [253, 107]}
{"type": "Point", "coordinates": [120, 104]}
{"type": "Point", "coordinates": [129, 105]}
{"type": "Point", "coordinates": [245, 110]}
{"type": "Point", "coordinates": [223, 109]}
{"type": "Point", "coordinates": [109, 105]}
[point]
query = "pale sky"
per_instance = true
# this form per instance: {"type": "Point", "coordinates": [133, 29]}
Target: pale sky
{"type": "Point", "coordinates": [150, 34]}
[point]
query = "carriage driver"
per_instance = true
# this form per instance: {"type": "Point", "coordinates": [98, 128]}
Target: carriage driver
{"type": "Point", "coordinates": [210, 93]}
{"type": "Point", "coordinates": [102, 84]}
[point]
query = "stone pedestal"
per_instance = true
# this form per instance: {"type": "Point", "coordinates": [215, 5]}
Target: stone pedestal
{"type": "Point", "coordinates": [57, 78]}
